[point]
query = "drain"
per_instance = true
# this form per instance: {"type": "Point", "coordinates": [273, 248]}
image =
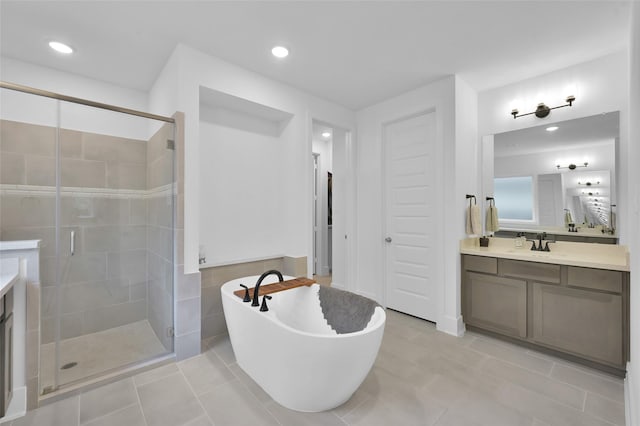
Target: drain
{"type": "Point", "coordinates": [68, 365]}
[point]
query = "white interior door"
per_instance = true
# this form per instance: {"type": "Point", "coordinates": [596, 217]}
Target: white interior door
{"type": "Point", "coordinates": [550, 200]}
{"type": "Point", "coordinates": [410, 203]}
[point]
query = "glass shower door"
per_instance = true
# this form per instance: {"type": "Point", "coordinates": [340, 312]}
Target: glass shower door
{"type": "Point", "coordinates": [114, 294]}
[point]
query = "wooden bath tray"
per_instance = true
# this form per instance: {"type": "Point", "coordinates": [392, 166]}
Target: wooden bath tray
{"type": "Point", "coordinates": [276, 287]}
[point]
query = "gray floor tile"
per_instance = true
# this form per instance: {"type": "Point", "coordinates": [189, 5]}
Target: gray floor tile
{"type": "Point", "coordinates": [155, 374]}
{"type": "Point", "coordinates": [609, 387]}
{"type": "Point", "coordinates": [287, 417]}
{"type": "Point", "coordinates": [221, 345]}
{"type": "Point", "coordinates": [129, 416]}
{"type": "Point", "coordinates": [421, 377]}
{"type": "Point", "coordinates": [452, 417]}
{"type": "Point", "coordinates": [251, 386]}
{"type": "Point", "coordinates": [205, 371]}
{"type": "Point", "coordinates": [536, 382]}
{"type": "Point", "coordinates": [545, 409]}
{"type": "Point", "coordinates": [169, 401]}
{"type": "Point", "coordinates": [356, 399]}
{"type": "Point", "coordinates": [106, 399]}
{"type": "Point", "coordinates": [61, 413]}
{"type": "Point", "coordinates": [230, 404]}
{"type": "Point", "coordinates": [200, 421]}
{"type": "Point", "coordinates": [481, 405]}
{"type": "Point", "coordinates": [400, 411]}
{"type": "Point", "coordinates": [604, 408]}
{"type": "Point", "coordinates": [512, 354]}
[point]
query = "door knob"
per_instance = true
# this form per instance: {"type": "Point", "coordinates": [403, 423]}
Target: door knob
{"type": "Point", "coordinates": [388, 239]}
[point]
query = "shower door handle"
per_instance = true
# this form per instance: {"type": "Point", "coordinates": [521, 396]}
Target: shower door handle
{"type": "Point", "coordinates": [73, 242]}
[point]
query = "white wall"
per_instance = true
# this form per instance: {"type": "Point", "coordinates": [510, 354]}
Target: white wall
{"type": "Point", "coordinates": [19, 106]}
{"type": "Point", "coordinates": [194, 70]}
{"type": "Point", "coordinates": [455, 105]}
{"type": "Point", "coordinates": [632, 389]}
{"type": "Point", "coordinates": [241, 177]}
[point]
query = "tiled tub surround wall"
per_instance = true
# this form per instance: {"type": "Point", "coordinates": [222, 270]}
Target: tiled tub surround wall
{"type": "Point", "coordinates": [112, 201]}
{"type": "Point", "coordinates": [213, 322]}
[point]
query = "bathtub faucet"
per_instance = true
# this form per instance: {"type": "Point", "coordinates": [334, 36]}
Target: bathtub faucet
{"type": "Point", "coordinates": [262, 277]}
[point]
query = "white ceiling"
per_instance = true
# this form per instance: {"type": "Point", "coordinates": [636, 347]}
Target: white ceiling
{"type": "Point", "coordinates": [352, 53]}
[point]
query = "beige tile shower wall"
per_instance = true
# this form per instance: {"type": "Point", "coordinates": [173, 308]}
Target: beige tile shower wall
{"type": "Point", "coordinates": [87, 159]}
{"type": "Point", "coordinates": [159, 244]}
{"type": "Point", "coordinates": [213, 322]}
{"type": "Point", "coordinates": [105, 281]}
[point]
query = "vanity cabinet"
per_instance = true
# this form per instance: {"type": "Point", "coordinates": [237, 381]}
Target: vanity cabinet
{"type": "Point", "coordinates": [574, 311]}
{"type": "Point", "coordinates": [496, 303]}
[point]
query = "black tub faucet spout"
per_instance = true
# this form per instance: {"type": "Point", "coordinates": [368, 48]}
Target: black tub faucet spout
{"type": "Point", "coordinates": [262, 277]}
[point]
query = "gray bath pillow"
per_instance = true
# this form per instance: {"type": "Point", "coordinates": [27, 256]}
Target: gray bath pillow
{"type": "Point", "coordinates": [345, 312]}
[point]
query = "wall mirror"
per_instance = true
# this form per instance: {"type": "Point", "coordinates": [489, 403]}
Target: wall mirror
{"type": "Point", "coordinates": [546, 177]}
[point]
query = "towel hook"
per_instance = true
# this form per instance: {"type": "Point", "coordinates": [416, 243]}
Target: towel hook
{"type": "Point", "coordinates": [492, 201]}
{"type": "Point", "coordinates": [468, 196]}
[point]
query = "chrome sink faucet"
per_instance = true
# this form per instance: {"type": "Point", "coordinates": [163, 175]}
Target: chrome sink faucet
{"type": "Point", "coordinates": [255, 301]}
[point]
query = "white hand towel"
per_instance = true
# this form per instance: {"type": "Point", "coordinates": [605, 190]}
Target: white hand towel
{"type": "Point", "coordinates": [474, 225]}
{"type": "Point", "coordinates": [567, 218]}
{"type": "Point", "coordinates": [612, 220]}
{"type": "Point", "coordinates": [492, 219]}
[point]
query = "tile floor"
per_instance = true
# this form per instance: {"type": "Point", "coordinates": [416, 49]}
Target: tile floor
{"type": "Point", "coordinates": [421, 377]}
{"type": "Point", "coordinates": [98, 352]}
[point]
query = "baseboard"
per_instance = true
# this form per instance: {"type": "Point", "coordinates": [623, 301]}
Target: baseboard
{"type": "Point", "coordinates": [17, 405]}
{"type": "Point", "coordinates": [630, 399]}
{"type": "Point", "coordinates": [451, 325]}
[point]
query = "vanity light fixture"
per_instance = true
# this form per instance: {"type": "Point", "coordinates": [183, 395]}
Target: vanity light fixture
{"type": "Point", "coordinates": [572, 166]}
{"type": "Point", "coordinates": [60, 47]}
{"type": "Point", "coordinates": [543, 110]}
{"type": "Point", "coordinates": [280, 52]}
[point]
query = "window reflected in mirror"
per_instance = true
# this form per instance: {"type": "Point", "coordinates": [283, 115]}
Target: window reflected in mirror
{"type": "Point", "coordinates": [515, 195]}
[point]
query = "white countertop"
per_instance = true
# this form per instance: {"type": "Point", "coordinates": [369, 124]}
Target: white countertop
{"type": "Point", "coordinates": [9, 271]}
{"type": "Point", "coordinates": [589, 255]}
{"type": "Point", "coordinates": [19, 245]}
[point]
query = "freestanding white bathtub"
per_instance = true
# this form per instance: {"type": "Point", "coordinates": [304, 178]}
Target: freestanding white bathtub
{"type": "Point", "coordinates": [293, 353]}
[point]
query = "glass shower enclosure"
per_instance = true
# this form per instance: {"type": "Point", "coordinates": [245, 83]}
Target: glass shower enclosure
{"type": "Point", "coordinates": [96, 186]}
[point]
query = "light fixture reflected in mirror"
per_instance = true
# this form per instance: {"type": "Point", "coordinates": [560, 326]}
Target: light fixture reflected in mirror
{"type": "Point", "coordinates": [572, 166]}
{"type": "Point", "coordinates": [589, 183]}
{"type": "Point", "coordinates": [543, 110]}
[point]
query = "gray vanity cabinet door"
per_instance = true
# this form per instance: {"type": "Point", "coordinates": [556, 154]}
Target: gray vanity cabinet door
{"type": "Point", "coordinates": [586, 323]}
{"type": "Point", "coordinates": [496, 303]}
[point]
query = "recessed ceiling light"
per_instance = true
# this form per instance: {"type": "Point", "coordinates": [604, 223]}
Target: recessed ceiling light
{"type": "Point", "coordinates": [551, 129]}
{"type": "Point", "coordinates": [60, 47]}
{"type": "Point", "coordinates": [280, 52]}
{"type": "Point", "coordinates": [326, 134]}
